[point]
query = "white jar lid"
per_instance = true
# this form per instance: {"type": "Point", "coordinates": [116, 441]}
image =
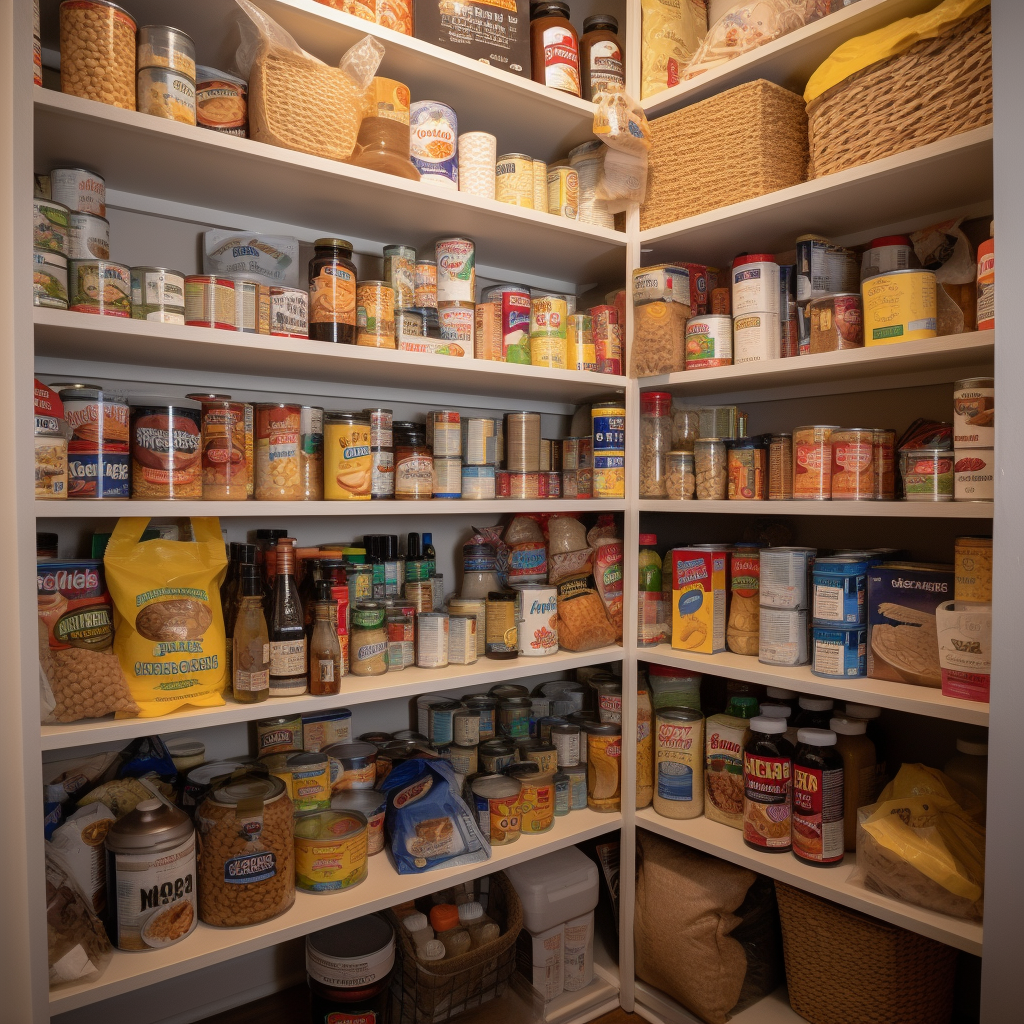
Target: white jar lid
{"type": "Point", "coordinates": [848, 726]}
{"type": "Point", "coordinates": [974, 749]}
{"type": "Point", "coordinates": [816, 737]}
{"type": "Point", "coordinates": [775, 711]}
{"type": "Point", "coordinates": [816, 703]}
{"type": "Point", "coordinates": [768, 725]}
{"type": "Point", "coordinates": [865, 711]}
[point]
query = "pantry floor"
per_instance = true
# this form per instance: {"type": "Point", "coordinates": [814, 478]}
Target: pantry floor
{"type": "Point", "coordinates": [291, 1007]}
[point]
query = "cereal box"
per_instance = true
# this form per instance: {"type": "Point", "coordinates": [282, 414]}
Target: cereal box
{"type": "Point", "coordinates": [698, 599]}
{"type": "Point", "coordinates": [903, 643]}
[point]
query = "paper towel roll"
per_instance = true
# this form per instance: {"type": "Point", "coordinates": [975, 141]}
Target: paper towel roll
{"type": "Point", "coordinates": [477, 151]}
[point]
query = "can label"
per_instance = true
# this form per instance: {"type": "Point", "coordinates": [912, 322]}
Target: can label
{"type": "Point", "coordinates": [426, 285]}
{"type": "Point", "coordinates": [609, 430]}
{"type": "Point", "coordinates": [516, 310]}
{"type": "Point", "coordinates": [433, 131]}
{"type": "Point", "coordinates": [818, 814]}
{"type": "Point", "coordinates": [708, 342]}
{"type": "Point", "coordinates": [900, 307]}
{"type": "Point", "coordinates": [561, 60]}
{"type": "Point", "coordinates": [677, 753]}
{"type": "Point", "coordinates": [289, 312]}
{"type": "Point", "coordinates": [563, 192]}
{"type": "Point", "coordinates": [839, 653]}
{"type": "Point", "coordinates": [332, 296]}
{"type": "Point", "coordinates": [513, 180]}
{"type": "Point", "coordinates": [400, 274]}
{"type": "Point", "coordinates": [456, 270]}
{"type": "Point", "coordinates": [767, 800]}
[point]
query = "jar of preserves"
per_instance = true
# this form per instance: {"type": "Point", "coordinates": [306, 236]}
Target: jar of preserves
{"type": "Point", "coordinates": [655, 442]}
{"type": "Point", "coordinates": [679, 476]}
{"type": "Point", "coordinates": [554, 47]}
{"type": "Point", "coordinates": [332, 292]}
{"type": "Point", "coordinates": [369, 643]}
{"type": "Point", "coordinates": [414, 471]}
{"type": "Point", "coordinates": [601, 62]}
{"type": "Point", "coordinates": [747, 461]}
{"type": "Point", "coordinates": [710, 469]}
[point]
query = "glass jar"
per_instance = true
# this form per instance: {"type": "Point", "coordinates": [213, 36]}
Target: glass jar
{"type": "Point", "coordinates": [685, 428]}
{"type": "Point", "coordinates": [332, 292]}
{"type": "Point", "coordinates": [369, 644]}
{"type": "Point", "coordinates": [655, 442]}
{"type": "Point", "coordinates": [679, 476]}
{"type": "Point", "coordinates": [710, 469]}
{"type": "Point", "coordinates": [554, 47]}
{"type": "Point", "coordinates": [600, 55]}
{"type": "Point", "coordinates": [414, 472]}
{"type": "Point", "coordinates": [747, 467]}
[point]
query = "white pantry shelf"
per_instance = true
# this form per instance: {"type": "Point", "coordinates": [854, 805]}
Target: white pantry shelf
{"type": "Point", "coordinates": [68, 335]}
{"type": "Point", "coordinates": [654, 1005]}
{"type": "Point", "coordinates": [791, 59]}
{"type": "Point", "coordinates": [151, 156]}
{"type": "Point", "coordinates": [830, 372]}
{"type": "Point", "coordinates": [384, 887]}
{"type": "Point", "coordinates": [860, 509]}
{"type": "Point", "coordinates": [952, 173]}
{"type": "Point", "coordinates": [918, 700]}
{"type": "Point", "coordinates": [831, 881]}
{"type": "Point", "coordinates": [410, 682]}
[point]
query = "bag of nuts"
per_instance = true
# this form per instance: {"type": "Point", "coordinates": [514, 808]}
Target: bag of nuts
{"type": "Point", "coordinates": [167, 614]}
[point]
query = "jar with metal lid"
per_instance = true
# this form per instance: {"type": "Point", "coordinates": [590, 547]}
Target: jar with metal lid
{"type": "Point", "coordinates": [747, 459]}
{"type": "Point", "coordinates": [604, 757]}
{"type": "Point", "coordinates": [655, 442]}
{"type": "Point", "coordinates": [680, 478]}
{"type": "Point", "coordinates": [601, 63]}
{"type": "Point", "coordinates": [97, 52]}
{"type": "Point", "coordinates": [368, 646]}
{"type": "Point", "coordinates": [555, 47]}
{"type": "Point", "coordinates": [161, 46]}
{"type": "Point", "coordinates": [151, 877]}
{"type": "Point", "coordinates": [247, 867]}
{"type": "Point", "coordinates": [780, 467]}
{"type": "Point", "coordinates": [711, 469]}
{"type": "Point", "coordinates": [414, 471]}
{"type": "Point", "coordinates": [332, 292]}
{"type": "Point", "coordinates": [514, 717]}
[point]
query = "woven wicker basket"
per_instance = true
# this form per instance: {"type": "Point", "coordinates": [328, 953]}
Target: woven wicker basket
{"type": "Point", "coordinates": [431, 993]}
{"type": "Point", "coordinates": [303, 105]}
{"type": "Point", "coordinates": [937, 88]}
{"type": "Point", "coordinates": [737, 145]}
{"type": "Point", "coordinates": [844, 967]}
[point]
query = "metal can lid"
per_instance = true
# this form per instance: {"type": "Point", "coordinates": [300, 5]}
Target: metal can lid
{"type": "Point", "coordinates": [151, 822]}
{"type": "Point", "coordinates": [332, 243]}
{"type": "Point", "coordinates": [328, 825]}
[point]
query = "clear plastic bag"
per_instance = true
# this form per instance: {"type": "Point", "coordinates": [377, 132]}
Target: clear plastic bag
{"type": "Point", "coordinates": [621, 124]}
{"type": "Point", "coordinates": [77, 945]}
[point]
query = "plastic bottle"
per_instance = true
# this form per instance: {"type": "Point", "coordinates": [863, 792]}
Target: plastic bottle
{"type": "Point", "coordinates": [768, 786]}
{"type": "Point", "coordinates": [873, 716]}
{"type": "Point", "coordinates": [482, 929]}
{"type": "Point", "coordinates": [418, 927]}
{"type": "Point", "coordinates": [783, 712]}
{"type": "Point", "coordinates": [969, 767]}
{"type": "Point", "coordinates": [818, 798]}
{"type": "Point", "coordinates": [860, 771]}
{"type": "Point", "coordinates": [445, 919]}
{"type": "Point", "coordinates": [814, 712]}
{"type": "Point", "coordinates": [432, 950]}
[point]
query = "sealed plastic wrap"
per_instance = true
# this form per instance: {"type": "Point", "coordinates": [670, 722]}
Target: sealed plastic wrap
{"type": "Point", "coordinates": [621, 124]}
{"type": "Point", "coordinates": [672, 31]}
{"type": "Point", "coordinates": [296, 101]}
{"type": "Point", "coordinates": [569, 553]}
{"type": "Point", "coordinates": [922, 842]}
{"type": "Point", "coordinates": [77, 945]}
{"type": "Point", "coordinates": [582, 620]}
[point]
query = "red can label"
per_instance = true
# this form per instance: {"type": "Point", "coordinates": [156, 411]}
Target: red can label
{"type": "Point", "coordinates": [502, 484]}
{"type": "Point", "coordinates": [767, 800]}
{"type": "Point", "coordinates": [818, 814]}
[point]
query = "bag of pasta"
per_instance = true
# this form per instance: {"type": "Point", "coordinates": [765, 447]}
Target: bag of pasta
{"type": "Point", "coordinates": [672, 31]}
{"type": "Point", "coordinates": [169, 628]}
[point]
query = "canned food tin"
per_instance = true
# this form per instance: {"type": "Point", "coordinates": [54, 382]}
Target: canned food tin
{"type": "Point", "coordinates": [409, 324]}
{"type": "Point", "coordinates": [974, 474]}
{"type": "Point", "coordinates": [347, 459]}
{"type": "Point", "coordinates": [88, 236]}
{"type": "Point", "coordinates": [79, 189]}
{"type": "Point", "coordinates": [158, 293]}
{"type": "Point", "coordinates": [210, 301]}
{"type": "Point", "coordinates": [289, 312]}
{"type": "Point", "coordinates": [608, 421]}
{"type": "Point", "coordinates": [607, 339]}
{"type": "Point", "coordinates": [400, 274]}
{"type": "Point", "coordinates": [457, 321]}
{"type": "Point", "coordinates": [708, 342]}
{"type": "Point", "coordinates": [540, 186]}
{"type": "Point", "coordinates": [537, 620]}
{"type": "Point", "coordinates": [839, 653]}
{"type": "Point", "coordinates": [99, 287]}
{"type": "Point", "coordinates": [51, 466]}
{"type": "Point", "coordinates": [166, 445]}
{"type": "Point", "coordinates": [755, 284]}
{"type": "Point", "coordinates": [289, 452]}
{"type": "Point", "coordinates": [515, 318]}
{"type": "Point", "coordinates": [785, 577]}
{"type": "Point", "coordinates": [375, 315]}
{"type": "Point", "coordinates": [372, 806]}
{"type": "Point", "coordinates": [475, 608]}
{"type": "Point", "coordinates": [514, 717]}
{"type": "Point", "coordinates": [972, 570]}
{"type": "Point", "coordinates": [549, 485]}
{"type": "Point", "coordinates": [433, 142]}
{"type": "Point", "coordinates": [331, 851]}
{"type": "Point", "coordinates": [98, 459]}
{"type": "Point", "coordinates": [566, 739]}
{"type": "Point", "coordinates": [824, 268]}
{"type": "Point", "coordinates": [780, 467]}
{"type": "Point", "coordinates": [307, 775]}
{"type": "Point", "coordinates": [884, 452]}
{"type": "Point", "coordinates": [974, 413]}
{"type": "Point", "coordinates": [477, 441]}
{"type": "Point", "coordinates": [580, 353]}
{"type": "Point", "coordinates": [447, 478]}
{"type": "Point", "coordinates": [899, 306]}
{"type": "Point", "coordinates": [812, 462]}
{"type": "Point", "coordinates": [803, 329]}
{"type": "Point", "coordinates": [221, 102]}
{"type": "Point", "coordinates": [782, 639]}
{"type": "Point", "coordinates": [165, 93]}
{"type": "Point", "coordinates": [523, 486]}
{"type": "Point", "coordinates": [281, 735]}
{"type": "Point", "coordinates": [837, 323]}
{"type": "Point", "coordinates": [426, 284]}
{"type": "Point", "coordinates": [608, 478]}
{"type": "Point", "coordinates": [432, 644]}
{"type": "Point", "coordinates": [563, 192]}
{"type": "Point", "coordinates": [247, 304]}
{"type": "Point", "coordinates": [513, 180]}
{"type": "Point", "coordinates": [853, 464]}
{"type": "Point", "coordinates": [498, 802]}
{"type": "Point", "coordinates": [462, 648]}
{"type": "Point", "coordinates": [746, 462]}
{"type": "Point", "coordinates": [325, 728]}
{"type": "Point", "coordinates": [160, 46]}
{"type": "Point", "coordinates": [756, 338]}
{"type": "Point", "coordinates": [839, 589]}
{"type": "Point", "coordinates": [892, 252]}
{"type": "Point", "coordinates": [986, 285]}
{"type": "Point", "coordinates": [224, 442]}
{"type": "Point", "coordinates": [51, 226]}
{"type": "Point", "coordinates": [49, 279]}
{"type": "Point", "coordinates": [456, 270]}
{"type": "Point", "coordinates": [548, 316]}
{"type": "Point", "coordinates": [927, 474]}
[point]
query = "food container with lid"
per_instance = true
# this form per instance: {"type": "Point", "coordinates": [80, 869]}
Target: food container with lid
{"type": "Point", "coordinates": [927, 474]}
{"type": "Point", "coordinates": [331, 850]}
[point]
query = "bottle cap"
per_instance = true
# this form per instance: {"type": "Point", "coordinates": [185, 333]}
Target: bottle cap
{"type": "Point", "coordinates": [768, 725]}
{"type": "Point", "coordinates": [650, 539]}
{"type": "Point", "coordinates": [816, 737]}
{"type": "Point", "coordinates": [776, 711]}
{"type": "Point", "coordinates": [817, 703]}
{"type": "Point", "coordinates": [780, 693]}
{"type": "Point", "coordinates": [865, 711]}
{"type": "Point", "coordinates": [743, 707]}
{"type": "Point", "coordinates": [848, 726]}
{"type": "Point", "coordinates": [444, 917]}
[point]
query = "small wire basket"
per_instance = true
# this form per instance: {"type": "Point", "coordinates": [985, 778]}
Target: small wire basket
{"type": "Point", "coordinates": [435, 992]}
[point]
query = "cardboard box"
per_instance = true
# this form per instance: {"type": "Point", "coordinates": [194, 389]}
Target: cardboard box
{"type": "Point", "coordinates": [496, 32]}
{"type": "Point", "coordinates": [698, 599]}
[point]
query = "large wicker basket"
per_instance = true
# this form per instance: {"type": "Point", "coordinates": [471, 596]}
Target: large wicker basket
{"type": "Point", "coordinates": [301, 104]}
{"type": "Point", "coordinates": [844, 967]}
{"type": "Point", "coordinates": [737, 145]}
{"type": "Point", "coordinates": [430, 993]}
{"type": "Point", "coordinates": [937, 88]}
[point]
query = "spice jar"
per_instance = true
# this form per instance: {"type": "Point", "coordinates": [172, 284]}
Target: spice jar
{"type": "Point", "coordinates": [711, 472]}
{"type": "Point", "coordinates": [780, 467]}
{"type": "Point", "coordinates": [554, 47]}
{"type": "Point", "coordinates": [97, 52]}
{"type": "Point", "coordinates": [747, 467]}
{"type": "Point", "coordinates": [369, 643]}
{"type": "Point", "coordinates": [600, 55]}
{"type": "Point", "coordinates": [680, 479]}
{"type": "Point", "coordinates": [332, 292]}
{"type": "Point", "coordinates": [655, 442]}
{"type": "Point", "coordinates": [414, 470]}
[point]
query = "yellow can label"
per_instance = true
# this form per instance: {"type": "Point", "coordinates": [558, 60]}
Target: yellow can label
{"type": "Point", "coordinates": [537, 807]}
{"type": "Point", "coordinates": [548, 352]}
{"type": "Point", "coordinates": [899, 307]}
{"type": "Point", "coordinates": [333, 862]}
{"type": "Point", "coordinates": [348, 467]}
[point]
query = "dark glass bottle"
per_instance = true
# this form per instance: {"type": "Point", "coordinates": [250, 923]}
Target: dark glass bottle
{"type": "Point", "coordinates": [288, 671]}
{"type": "Point", "coordinates": [429, 554]}
{"type": "Point", "coordinates": [332, 292]}
{"type": "Point", "coordinates": [768, 787]}
{"type": "Point", "coordinates": [250, 659]}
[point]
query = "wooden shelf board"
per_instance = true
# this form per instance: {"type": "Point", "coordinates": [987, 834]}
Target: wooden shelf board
{"type": "Point", "coordinates": [876, 509]}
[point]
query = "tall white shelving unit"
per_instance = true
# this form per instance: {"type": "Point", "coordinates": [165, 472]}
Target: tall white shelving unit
{"type": "Point", "coordinates": [168, 182]}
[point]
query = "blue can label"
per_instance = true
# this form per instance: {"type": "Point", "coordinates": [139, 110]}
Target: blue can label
{"type": "Point", "coordinates": [609, 433]}
{"type": "Point", "coordinates": [98, 475]}
{"type": "Point", "coordinates": [839, 653]}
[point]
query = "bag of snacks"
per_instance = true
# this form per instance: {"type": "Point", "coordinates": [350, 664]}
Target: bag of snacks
{"type": "Point", "coordinates": [79, 674]}
{"type": "Point", "coordinates": [608, 576]}
{"type": "Point", "coordinates": [582, 621]}
{"type": "Point", "coordinates": [672, 31]}
{"type": "Point", "coordinates": [527, 551]}
{"type": "Point", "coordinates": [167, 615]}
{"type": "Point", "coordinates": [77, 945]}
{"type": "Point", "coordinates": [428, 822]}
{"type": "Point", "coordinates": [570, 553]}
{"type": "Point", "coordinates": [659, 337]}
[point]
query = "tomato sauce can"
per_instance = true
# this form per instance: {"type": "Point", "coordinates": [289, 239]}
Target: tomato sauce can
{"type": "Point", "coordinates": [708, 342]}
{"type": "Point", "coordinates": [456, 270]}
{"type": "Point", "coordinates": [210, 301]}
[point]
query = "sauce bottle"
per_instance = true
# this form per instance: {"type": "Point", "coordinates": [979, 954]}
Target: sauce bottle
{"type": "Point", "coordinates": [332, 292]}
{"type": "Point", "coordinates": [818, 824]}
{"type": "Point", "coordinates": [600, 55]}
{"type": "Point", "coordinates": [768, 786]}
{"type": "Point", "coordinates": [859, 772]}
{"type": "Point", "coordinates": [554, 47]}
{"type": "Point", "coordinates": [814, 713]}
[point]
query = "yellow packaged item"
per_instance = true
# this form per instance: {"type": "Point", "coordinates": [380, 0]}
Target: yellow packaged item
{"type": "Point", "coordinates": [169, 629]}
{"type": "Point", "coordinates": [862, 51]}
{"type": "Point", "coordinates": [672, 31]}
{"type": "Point", "coordinates": [698, 599]}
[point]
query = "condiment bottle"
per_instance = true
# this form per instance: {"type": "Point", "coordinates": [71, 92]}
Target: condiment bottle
{"type": "Point", "coordinates": [767, 786]}
{"type": "Point", "coordinates": [250, 656]}
{"type": "Point", "coordinates": [418, 927]}
{"type": "Point", "coordinates": [814, 712]}
{"type": "Point", "coordinates": [600, 55]}
{"type": "Point", "coordinates": [332, 292]}
{"type": "Point", "coordinates": [818, 825]}
{"type": "Point", "coordinates": [554, 47]}
{"type": "Point", "coordinates": [445, 919]}
{"type": "Point", "coordinates": [969, 767]}
{"type": "Point", "coordinates": [325, 669]}
{"type": "Point", "coordinates": [783, 712]}
{"type": "Point", "coordinates": [859, 772]}
{"type": "Point", "coordinates": [873, 716]}
{"type": "Point", "coordinates": [288, 674]}
{"type": "Point", "coordinates": [482, 929]}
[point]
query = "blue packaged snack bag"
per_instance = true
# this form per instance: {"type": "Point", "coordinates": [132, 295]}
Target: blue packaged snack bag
{"type": "Point", "coordinates": [428, 823]}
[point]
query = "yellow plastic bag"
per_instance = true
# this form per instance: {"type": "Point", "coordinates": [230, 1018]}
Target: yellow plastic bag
{"type": "Point", "coordinates": [169, 628]}
{"type": "Point", "coordinates": [863, 51]}
{"type": "Point", "coordinates": [672, 31]}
